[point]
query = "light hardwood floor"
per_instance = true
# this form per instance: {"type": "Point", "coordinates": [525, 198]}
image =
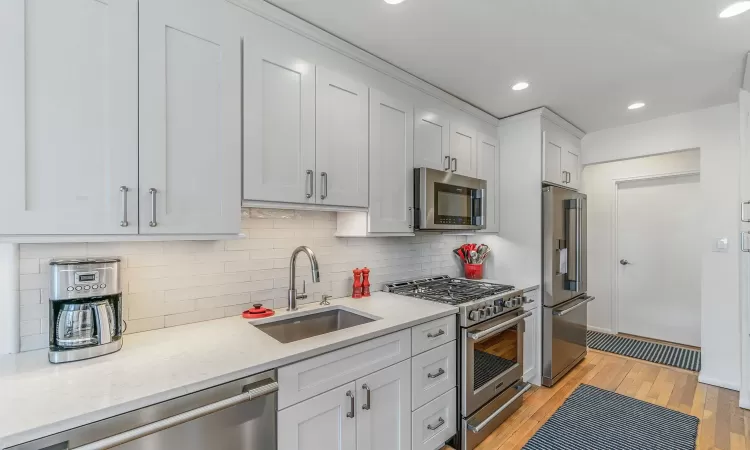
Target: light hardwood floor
{"type": "Point", "coordinates": [723, 424]}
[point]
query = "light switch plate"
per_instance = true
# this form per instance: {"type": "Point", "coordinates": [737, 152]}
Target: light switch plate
{"type": "Point", "coordinates": [721, 245]}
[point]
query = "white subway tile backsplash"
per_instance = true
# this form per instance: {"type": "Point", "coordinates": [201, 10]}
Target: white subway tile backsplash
{"type": "Point", "coordinates": [177, 282]}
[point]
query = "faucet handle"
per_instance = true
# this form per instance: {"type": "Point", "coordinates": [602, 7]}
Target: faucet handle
{"type": "Point", "coordinates": [303, 295]}
{"type": "Point", "coordinates": [325, 298]}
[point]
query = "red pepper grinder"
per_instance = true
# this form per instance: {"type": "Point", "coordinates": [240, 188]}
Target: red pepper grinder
{"type": "Point", "coordinates": [357, 288]}
{"type": "Point", "coordinates": [365, 282]}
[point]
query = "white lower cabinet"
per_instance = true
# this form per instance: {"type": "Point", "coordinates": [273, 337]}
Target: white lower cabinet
{"type": "Point", "coordinates": [383, 409]}
{"type": "Point", "coordinates": [433, 373]}
{"type": "Point", "coordinates": [324, 422]}
{"type": "Point", "coordinates": [434, 423]}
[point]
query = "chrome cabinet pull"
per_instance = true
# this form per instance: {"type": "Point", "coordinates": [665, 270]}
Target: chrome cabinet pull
{"type": "Point", "coordinates": [350, 394]}
{"type": "Point", "coordinates": [323, 185]}
{"type": "Point", "coordinates": [436, 374]}
{"type": "Point", "coordinates": [439, 333]}
{"type": "Point", "coordinates": [170, 422]}
{"type": "Point", "coordinates": [447, 167]}
{"type": "Point", "coordinates": [153, 223]}
{"type": "Point", "coordinates": [742, 212]}
{"type": "Point", "coordinates": [743, 237]}
{"type": "Point", "coordinates": [309, 185]}
{"type": "Point", "coordinates": [124, 196]}
{"type": "Point", "coordinates": [411, 218]}
{"type": "Point", "coordinates": [455, 164]}
{"type": "Point", "coordinates": [439, 424]}
{"type": "Point", "coordinates": [366, 405]}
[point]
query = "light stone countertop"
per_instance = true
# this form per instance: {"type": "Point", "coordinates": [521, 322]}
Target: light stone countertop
{"type": "Point", "coordinates": [38, 399]}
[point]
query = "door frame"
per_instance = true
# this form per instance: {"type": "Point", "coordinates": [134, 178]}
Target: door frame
{"type": "Point", "coordinates": [614, 264]}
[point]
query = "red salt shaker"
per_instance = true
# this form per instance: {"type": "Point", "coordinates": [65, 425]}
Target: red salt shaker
{"type": "Point", "coordinates": [357, 287]}
{"type": "Point", "coordinates": [366, 282]}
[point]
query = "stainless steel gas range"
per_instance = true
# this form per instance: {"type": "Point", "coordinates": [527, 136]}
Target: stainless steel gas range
{"type": "Point", "coordinates": [490, 349]}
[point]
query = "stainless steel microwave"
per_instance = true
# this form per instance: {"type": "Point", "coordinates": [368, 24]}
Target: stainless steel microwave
{"type": "Point", "coordinates": [446, 201]}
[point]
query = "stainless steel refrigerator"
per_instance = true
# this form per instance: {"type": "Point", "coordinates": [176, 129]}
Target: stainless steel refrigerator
{"type": "Point", "coordinates": [564, 319]}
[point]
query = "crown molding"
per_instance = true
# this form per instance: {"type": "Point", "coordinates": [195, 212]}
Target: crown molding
{"type": "Point", "coordinates": [548, 114]}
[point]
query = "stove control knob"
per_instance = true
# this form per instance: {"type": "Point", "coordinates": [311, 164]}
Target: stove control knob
{"type": "Point", "coordinates": [497, 309]}
{"type": "Point", "coordinates": [488, 311]}
{"type": "Point", "coordinates": [474, 315]}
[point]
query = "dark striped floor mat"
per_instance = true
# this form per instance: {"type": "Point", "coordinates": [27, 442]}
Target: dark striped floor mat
{"type": "Point", "coordinates": [596, 419]}
{"type": "Point", "coordinates": [668, 355]}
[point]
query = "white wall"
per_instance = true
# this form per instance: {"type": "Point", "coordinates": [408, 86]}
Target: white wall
{"type": "Point", "coordinates": [715, 131]}
{"type": "Point", "coordinates": [599, 186]}
{"type": "Point", "coordinates": [173, 283]}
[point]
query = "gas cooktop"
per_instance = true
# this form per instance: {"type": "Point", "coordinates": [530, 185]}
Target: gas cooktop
{"type": "Point", "coordinates": [444, 289]}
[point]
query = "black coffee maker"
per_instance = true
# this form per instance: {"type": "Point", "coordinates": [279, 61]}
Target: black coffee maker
{"type": "Point", "coordinates": [85, 317]}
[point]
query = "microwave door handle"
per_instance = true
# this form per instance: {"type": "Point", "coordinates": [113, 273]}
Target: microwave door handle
{"type": "Point", "coordinates": [483, 207]}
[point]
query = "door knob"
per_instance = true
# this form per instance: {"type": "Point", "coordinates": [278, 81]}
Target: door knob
{"type": "Point", "coordinates": [624, 262]}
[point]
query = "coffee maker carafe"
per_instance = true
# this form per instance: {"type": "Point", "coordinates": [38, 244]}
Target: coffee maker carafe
{"type": "Point", "coordinates": [85, 304]}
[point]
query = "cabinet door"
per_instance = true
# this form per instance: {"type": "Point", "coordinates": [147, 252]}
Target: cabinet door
{"type": "Point", "coordinates": [341, 155]}
{"type": "Point", "coordinates": [463, 150]}
{"type": "Point", "coordinates": [488, 170]}
{"type": "Point", "coordinates": [69, 117]}
{"type": "Point", "coordinates": [552, 158]}
{"type": "Point", "coordinates": [431, 140]}
{"type": "Point", "coordinates": [570, 169]}
{"type": "Point", "coordinates": [279, 124]}
{"type": "Point", "coordinates": [384, 417]}
{"type": "Point", "coordinates": [531, 347]}
{"type": "Point", "coordinates": [391, 164]}
{"type": "Point", "coordinates": [189, 116]}
{"type": "Point", "coordinates": [320, 423]}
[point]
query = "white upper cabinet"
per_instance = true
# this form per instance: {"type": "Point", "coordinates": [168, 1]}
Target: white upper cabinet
{"type": "Point", "coordinates": [431, 140]}
{"type": "Point", "coordinates": [391, 164]}
{"type": "Point", "coordinates": [384, 409]}
{"type": "Point", "coordinates": [489, 167]}
{"type": "Point", "coordinates": [561, 156]}
{"type": "Point", "coordinates": [279, 124]}
{"type": "Point", "coordinates": [189, 119]}
{"type": "Point", "coordinates": [463, 150]}
{"type": "Point", "coordinates": [341, 152]}
{"type": "Point", "coordinates": [68, 117]}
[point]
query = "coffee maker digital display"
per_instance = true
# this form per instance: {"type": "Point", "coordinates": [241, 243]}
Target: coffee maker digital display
{"type": "Point", "coordinates": [85, 304]}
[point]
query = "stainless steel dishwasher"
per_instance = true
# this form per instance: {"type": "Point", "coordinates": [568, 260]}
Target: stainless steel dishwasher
{"type": "Point", "coordinates": [239, 415]}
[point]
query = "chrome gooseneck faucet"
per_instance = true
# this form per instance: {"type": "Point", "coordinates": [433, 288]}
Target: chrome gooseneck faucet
{"type": "Point", "coordinates": [293, 296]}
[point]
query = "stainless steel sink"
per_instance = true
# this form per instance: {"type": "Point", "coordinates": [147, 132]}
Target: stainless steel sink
{"type": "Point", "coordinates": [309, 325]}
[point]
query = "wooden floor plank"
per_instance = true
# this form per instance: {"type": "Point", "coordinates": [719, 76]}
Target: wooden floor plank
{"type": "Point", "coordinates": [723, 424]}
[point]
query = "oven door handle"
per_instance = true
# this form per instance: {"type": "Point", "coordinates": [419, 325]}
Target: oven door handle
{"type": "Point", "coordinates": [498, 328]}
{"type": "Point", "coordinates": [578, 305]}
{"type": "Point", "coordinates": [480, 426]}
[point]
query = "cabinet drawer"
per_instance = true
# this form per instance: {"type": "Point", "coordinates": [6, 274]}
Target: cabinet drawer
{"type": "Point", "coordinates": [302, 380]}
{"type": "Point", "coordinates": [432, 334]}
{"type": "Point", "coordinates": [433, 373]}
{"type": "Point", "coordinates": [434, 423]}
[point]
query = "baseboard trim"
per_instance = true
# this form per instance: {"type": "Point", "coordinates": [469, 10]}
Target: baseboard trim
{"type": "Point", "coordinates": [716, 382]}
{"type": "Point", "coordinates": [600, 330]}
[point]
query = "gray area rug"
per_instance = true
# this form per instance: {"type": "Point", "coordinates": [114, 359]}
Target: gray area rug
{"type": "Point", "coordinates": [669, 355]}
{"type": "Point", "coordinates": [594, 419]}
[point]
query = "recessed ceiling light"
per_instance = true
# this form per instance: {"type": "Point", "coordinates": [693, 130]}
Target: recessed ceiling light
{"type": "Point", "coordinates": [520, 86]}
{"type": "Point", "coordinates": [637, 105]}
{"type": "Point", "coordinates": [735, 9]}
{"type": "Point", "coordinates": [393, 2]}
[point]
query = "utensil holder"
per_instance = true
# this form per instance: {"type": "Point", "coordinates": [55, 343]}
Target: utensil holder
{"type": "Point", "coordinates": [473, 271]}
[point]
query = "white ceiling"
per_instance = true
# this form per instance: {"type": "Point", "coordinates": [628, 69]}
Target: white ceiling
{"type": "Point", "coordinates": [585, 59]}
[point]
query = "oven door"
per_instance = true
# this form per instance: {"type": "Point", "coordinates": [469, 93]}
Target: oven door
{"type": "Point", "coordinates": [492, 359]}
{"type": "Point", "coordinates": [446, 201]}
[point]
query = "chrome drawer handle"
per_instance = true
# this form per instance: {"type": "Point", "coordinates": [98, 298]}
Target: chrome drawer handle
{"type": "Point", "coordinates": [153, 223]}
{"type": "Point", "coordinates": [436, 374]}
{"type": "Point", "coordinates": [578, 305]}
{"type": "Point", "coordinates": [124, 196]}
{"type": "Point", "coordinates": [350, 394]}
{"type": "Point", "coordinates": [479, 427]}
{"type": "Point", "coordinates": [366, 406]}
{"type": "Point", "coordinates": [439, 424]}
{"type": "Point", "coordinates": [439, 333]}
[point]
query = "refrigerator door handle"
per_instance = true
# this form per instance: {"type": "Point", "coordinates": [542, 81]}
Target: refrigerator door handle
{"type": "Point", "coordinates": [572, 236]}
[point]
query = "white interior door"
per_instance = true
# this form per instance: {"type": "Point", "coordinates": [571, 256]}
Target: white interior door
{"type": "Point", "coordinates": [391, 164]}
{"type": "Point", "coordinates": [659, 280]}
